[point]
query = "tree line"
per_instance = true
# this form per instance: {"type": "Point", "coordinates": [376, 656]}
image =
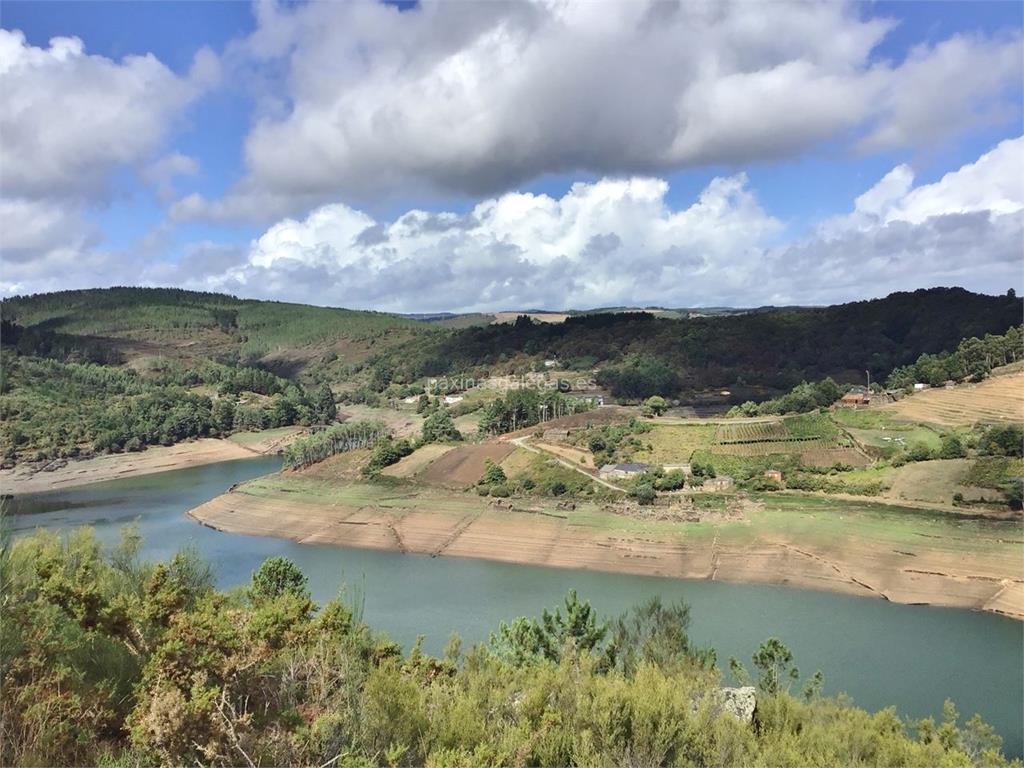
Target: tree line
{"type": "Point", "coordinates": [340, 438]}
{"type": "Point", "coordinates": [520, 408]}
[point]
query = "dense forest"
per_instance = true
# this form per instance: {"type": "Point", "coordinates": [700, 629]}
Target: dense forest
{"type": "Point", "coordinates": [107, 660]}
{"type": "Point", "coordinates": [642, 355]}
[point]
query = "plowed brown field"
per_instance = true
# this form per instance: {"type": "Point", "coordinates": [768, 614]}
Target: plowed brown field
{"type": "Point", "coordinates": [464, 465]}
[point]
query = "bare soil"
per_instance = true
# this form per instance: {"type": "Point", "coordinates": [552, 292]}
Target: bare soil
{"type": "Point", "coordinates": [463, 466]}
{"type": "Point", "coordinates": [940, 571]}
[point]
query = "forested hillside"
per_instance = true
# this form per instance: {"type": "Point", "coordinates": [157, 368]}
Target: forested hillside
{"type": "Point", "coordinates": [122, 368]}
{"type": "Point", "coordinates": [772, 348]}
{"type": "Point", "coordinates": [188, 323]}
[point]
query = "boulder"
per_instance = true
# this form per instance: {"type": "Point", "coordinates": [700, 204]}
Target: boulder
{"type": "Point", "coordinates": [740, 702]}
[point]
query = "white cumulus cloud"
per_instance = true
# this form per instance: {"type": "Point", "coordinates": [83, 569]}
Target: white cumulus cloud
{"type": "Point", "coordinates": [477, 98]}
{"type": "Point", "coordinates": [618, 242]}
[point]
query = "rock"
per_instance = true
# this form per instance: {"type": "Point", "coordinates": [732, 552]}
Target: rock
{"type": "Point", "coordinates": [740, 702]}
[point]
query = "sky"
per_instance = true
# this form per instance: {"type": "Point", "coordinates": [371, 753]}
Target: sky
{"type": "Point", "coordinates": [478, 156]}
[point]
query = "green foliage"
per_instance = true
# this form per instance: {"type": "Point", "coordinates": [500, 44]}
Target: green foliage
{"type": "Point", "coordinates": [1003, 440]}
{"type": "Point", "coordinates": [775, 663]}
{"type": "Point", "coordinates": [529, 640]}
{"type": "Point", "coordinates": [672, 480]}
{"type": "Point", "coordinates": [974, 357]}
{"type": "Point", "coordinates": [639, 377]}
{"type": "Point", "coordinates": [521, 408]}
{"type": "Point", "coordinates": [438, 427]}
{"type": "Point", "coordinates": [613, 443]}
{"type": "Point", "coordinates": [253, 328]}
{"type": "Point", "coordinates": [775, 348]}
{"type": "Point", "coordinates": [643, 493]}
{"type": "Point", "coordinates": [339, 438]}
{"type": "Point", "coordinates": [278, 576]}
{"type": "Point", "coordinates": [493, 474]}
{"type": "Point", "coordinates": [386, 453]}
{"type": "Point", "coordinates": [952, 447]}
{"type": "Point", "coordinates": [656, 634]}
{"type": "Point", "coordinates": [806, 396]}
{"type": "Point", "coordinates": [109, 661]}
{"type": "Point", "coordinates": [53, 410]}
{"type": "Point", "coordinates": [655, 405]}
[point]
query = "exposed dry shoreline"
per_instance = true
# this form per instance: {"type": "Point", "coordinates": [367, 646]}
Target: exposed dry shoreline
{"type": "Point", "coordinates": [942, 576]}
{"type": "Point", "coordinates": [121, 465]}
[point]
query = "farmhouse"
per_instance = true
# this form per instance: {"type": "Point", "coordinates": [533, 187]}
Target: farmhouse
{"type": "Point", "coordinates": [855, 398]}
{"type": "Point", "coordinates": [621, 470]}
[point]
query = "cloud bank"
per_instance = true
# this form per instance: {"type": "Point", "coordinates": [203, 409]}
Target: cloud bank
{"type": "Point", "coordinates": [617, 242]}
{"type": "Point", "coordinates": [68, 123]}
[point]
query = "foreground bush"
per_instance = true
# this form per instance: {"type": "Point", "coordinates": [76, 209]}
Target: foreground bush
{"type": "Point", "coordinates": [108, 660]}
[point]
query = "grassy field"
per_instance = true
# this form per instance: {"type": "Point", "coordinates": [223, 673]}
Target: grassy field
{"type": "Point", "coordinates": [263, 436]}
{"type": "Point", "coordinates": [674, 444]}
{"type": "Point", "coordinates": [935, 482]}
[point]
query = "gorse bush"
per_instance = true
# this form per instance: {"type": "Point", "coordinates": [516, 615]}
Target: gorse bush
{"type": "Point", "coordinates": [108, 660]}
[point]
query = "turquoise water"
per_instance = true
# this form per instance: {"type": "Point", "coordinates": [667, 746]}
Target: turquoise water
{"type": "Point", "coordinates": [879, 653]}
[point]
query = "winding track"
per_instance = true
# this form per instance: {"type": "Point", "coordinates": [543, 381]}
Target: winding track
{"type": "Point", "coordinates": [521, 442]}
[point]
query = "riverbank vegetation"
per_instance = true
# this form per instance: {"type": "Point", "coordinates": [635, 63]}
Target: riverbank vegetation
{"type": "Point", "coordinates": [108, 660]}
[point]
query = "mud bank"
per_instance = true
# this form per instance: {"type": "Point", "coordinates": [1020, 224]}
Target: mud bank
{"type": "Point", "coordinates": [939, 575]}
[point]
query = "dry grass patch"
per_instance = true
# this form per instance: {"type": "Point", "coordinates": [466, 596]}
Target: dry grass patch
{"type": "Point", "coordinates": [997, 399]}
{"type": "Point", "coordinates": [933, 481]}
{"type": "Point", "coordinates": [675, 443]}
{"type": "Point", "coordinates": [417, 461]}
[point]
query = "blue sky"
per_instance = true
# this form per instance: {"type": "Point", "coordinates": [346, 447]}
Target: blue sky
{"type": "Point", "coordinates": [286, 126]}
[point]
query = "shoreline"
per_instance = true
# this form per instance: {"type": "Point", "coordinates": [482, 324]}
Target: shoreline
{"type": "Point", "coordinates": [155, 459]}
{"type": "Point", "coordinates": [467, 528]}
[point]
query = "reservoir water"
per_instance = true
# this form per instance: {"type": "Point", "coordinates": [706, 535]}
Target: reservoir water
{"type": "Point", "coordinates": [880, 653]}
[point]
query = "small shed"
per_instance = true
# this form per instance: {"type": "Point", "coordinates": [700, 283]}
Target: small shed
{"type": "Point", "coordinates": [773, 474]}
{"type": "Point", "coordinates": [450, 399]}
{"type": "Point", "coordinates": [720, 483]}
{"type": "Point", "coordinates": [554, 435]}
{"type": "Point", "coordinates": [622, 470]}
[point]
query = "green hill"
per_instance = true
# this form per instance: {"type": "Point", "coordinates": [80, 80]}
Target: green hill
{"type": "Point", "coordinates": [189, 325]}
{"type": "Point", "coordinates": [771, 348]}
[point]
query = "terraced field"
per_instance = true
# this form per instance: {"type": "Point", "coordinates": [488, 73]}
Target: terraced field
{"type": "Point", "coordinates": [806, 433]}
{"type": "Point", "coordinates": [997, 399]}
{"type": "Point", "coordinates": [750, 432]}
